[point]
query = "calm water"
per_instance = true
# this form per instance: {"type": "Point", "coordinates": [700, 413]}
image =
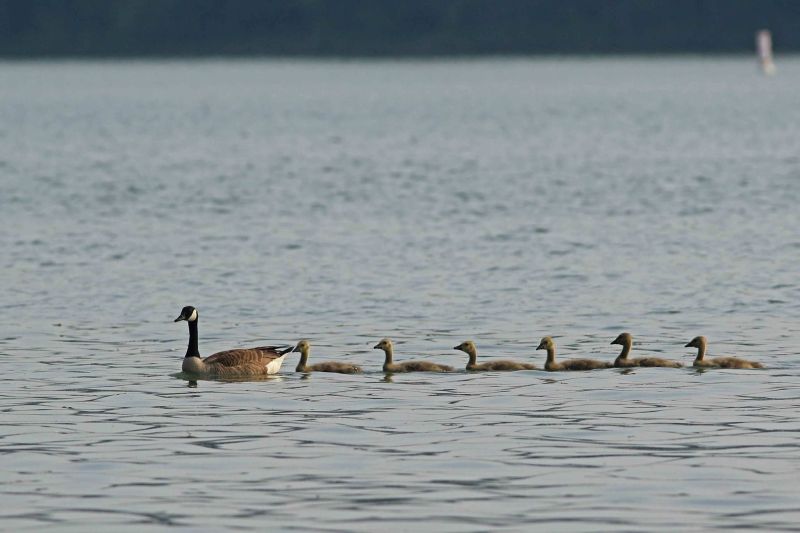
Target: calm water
{"type": "Point", "coordinates": [431, 202]}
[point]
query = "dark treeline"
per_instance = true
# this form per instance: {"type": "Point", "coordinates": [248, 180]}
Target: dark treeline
{"type": "Point", "coordinates": [41, 28]}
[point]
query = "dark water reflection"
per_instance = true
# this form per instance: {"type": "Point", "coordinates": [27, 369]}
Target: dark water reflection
{"type": "Point", "coordinates": [431, 202]}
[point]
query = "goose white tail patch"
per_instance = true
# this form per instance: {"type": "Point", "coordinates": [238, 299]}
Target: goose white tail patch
{"type": "Point", "coordinates": [275, 365]}
{"type": "Point", "coordinates": [194, 316]}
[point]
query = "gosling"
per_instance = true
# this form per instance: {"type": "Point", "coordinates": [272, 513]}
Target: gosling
{"type": "Point", "coordinates": [469, 348]}
{"type": "Point", "coordinates": [407, 366]}
{"type": "Point", "coordinates": [717, 362]}
{"type": "Point", "coordinates": [570, 364]}
{"type": "Point", "coordinates": [622, 361]}
{"type": "Point", "coordinates": [329, 366]}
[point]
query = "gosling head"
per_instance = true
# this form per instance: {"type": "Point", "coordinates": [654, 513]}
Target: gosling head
{"type": "Point", "coordinates": [623, 339]}
{"type": "Point", "coordinates": [302, 346]}
{"type": "Point", "coordinates": [546, 344]}
{"type": "Point", "coordinates": [385, 344]}
{"type": "Point", "coordinates": [188, 313]}
{"type": "Point", "coordinates": [466, 347]}
{"type": "Point", "coordinates": [696, 342]}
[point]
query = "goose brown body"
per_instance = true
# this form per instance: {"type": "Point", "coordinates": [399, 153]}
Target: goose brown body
{"type": "Point", "coordinates": [408, 366]}
{"type": "Point", "coordinates": [260, 361]}
{"type": "Point", "coordinates": [328, 366]}
{"type": "Point", "coordinates": [242, 362]}
{"type": "Point", "coordinates": [623, 361]}
{"type": "Point", "coordinates": [570, 364]}
{"type": "Point", "coordinates": [504, 365]}
{"type": "Point", "coordinates": [700, 361]}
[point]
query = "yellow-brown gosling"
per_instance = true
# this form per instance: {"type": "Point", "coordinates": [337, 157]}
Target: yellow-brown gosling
{"type": "Point", "coordinates": [407, 366]}
{"type": "Point", "coordinates": [717, 362]}
{"type": "Point", "coordinates": [329, 366]}
{"type": "Point", "coordinates": [622, 360]}
{"type": "Point", "coordinates": [468, 347]}
{"type": "Point", "coordinates": [570, 364]}
{"type": "Point", "coordinates": [242, 362]}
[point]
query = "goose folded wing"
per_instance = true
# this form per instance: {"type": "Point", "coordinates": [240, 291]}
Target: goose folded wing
{"type": "Point", "coordinates": [243, 356]}
{"type": "Point", "coordinates": [277, 351]}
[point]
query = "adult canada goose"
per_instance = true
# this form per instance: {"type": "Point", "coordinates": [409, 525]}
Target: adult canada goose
{"type": "Point", "coordinates": [329, 366]}
{"type": "Point", "coordinates": [242, 362]}
{"type": "Point", "coordinates": [622, 360]}
{"type": "Point", "coordinates": [717, 362]}
{"type": "Point", "coordinates": [570, 364]}
{"type": "Point", "coordinates": [407, 366]}
{"type": "Point", "coordinates": [468, 347]}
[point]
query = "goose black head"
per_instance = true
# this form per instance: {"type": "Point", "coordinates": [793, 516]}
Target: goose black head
{"type": "Point", "coordinates": [188, 313]}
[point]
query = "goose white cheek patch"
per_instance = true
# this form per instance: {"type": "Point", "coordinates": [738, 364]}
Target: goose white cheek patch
{"type": "Point", "coordinates": [194, 316]}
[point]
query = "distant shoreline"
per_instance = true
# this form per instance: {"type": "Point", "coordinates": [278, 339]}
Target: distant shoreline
{"type": "Point", "coordinates": [388, 29]}
{"type": "Point", "coordinates": [386, 58]}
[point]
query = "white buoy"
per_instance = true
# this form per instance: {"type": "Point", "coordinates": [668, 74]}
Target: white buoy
{"type": "Point", "coordinates": [764, 48]}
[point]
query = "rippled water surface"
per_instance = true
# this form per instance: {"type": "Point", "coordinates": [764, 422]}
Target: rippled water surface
{"type": "Point", "coordinates": [427, 201]}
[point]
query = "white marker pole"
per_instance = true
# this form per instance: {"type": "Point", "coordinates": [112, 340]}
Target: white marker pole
{"type": "Point", "coordinates": [764, 49]}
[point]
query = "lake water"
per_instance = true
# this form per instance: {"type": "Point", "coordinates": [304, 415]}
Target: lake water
{"type": "Point", "coordinates": [432, 202]}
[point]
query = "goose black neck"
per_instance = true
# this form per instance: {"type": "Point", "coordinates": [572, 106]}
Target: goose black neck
{"type": "Point", "coordinates": [192, 350]}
